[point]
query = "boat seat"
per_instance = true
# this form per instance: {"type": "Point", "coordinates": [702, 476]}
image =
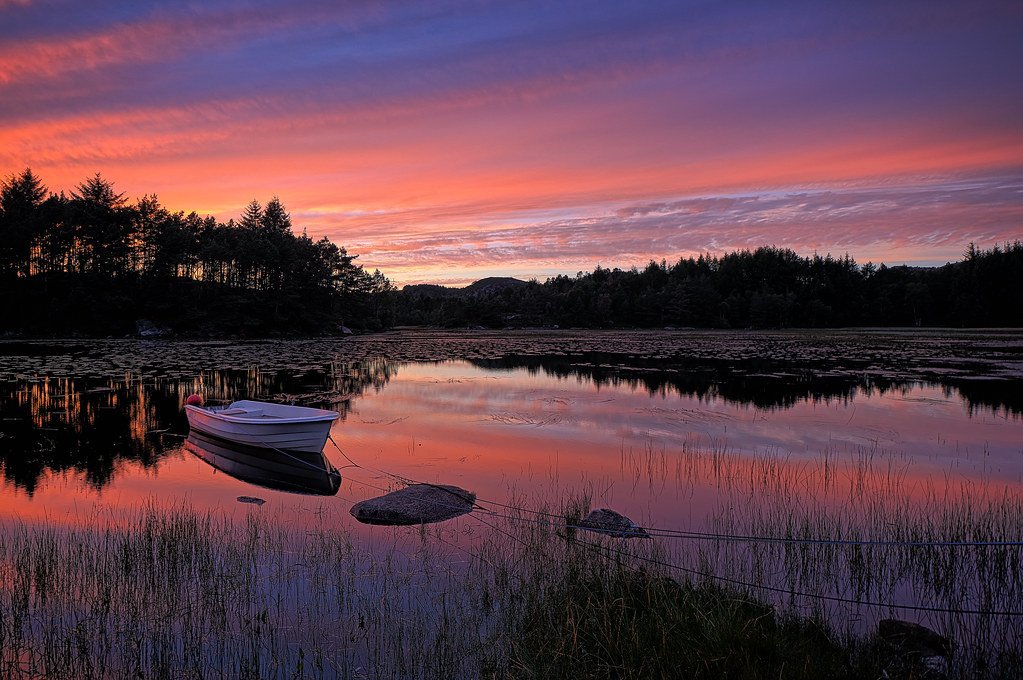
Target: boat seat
{"type": "Point", "coordinates": [252, 412]}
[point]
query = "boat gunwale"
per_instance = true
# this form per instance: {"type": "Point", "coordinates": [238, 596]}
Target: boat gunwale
{"type": "Point", "coordinates": [325, 416]}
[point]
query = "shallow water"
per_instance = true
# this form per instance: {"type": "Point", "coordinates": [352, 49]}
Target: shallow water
{"type": "Point", "coordinates": [537, 429]}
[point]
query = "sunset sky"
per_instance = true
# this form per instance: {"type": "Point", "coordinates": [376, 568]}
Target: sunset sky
{"type": "Point", "coordinates": [447, 141]}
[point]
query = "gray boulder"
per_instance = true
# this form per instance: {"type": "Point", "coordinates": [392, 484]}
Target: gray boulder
{"type": "Point", "coordinates": [415, 504]}
{"type": "Point", "coordinates": [609, 522]}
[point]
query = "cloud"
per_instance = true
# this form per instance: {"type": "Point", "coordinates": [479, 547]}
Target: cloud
{"type": "Point", "coordinates": [69, 43]}
{"type": "Point", "coordinates": [936, 216]}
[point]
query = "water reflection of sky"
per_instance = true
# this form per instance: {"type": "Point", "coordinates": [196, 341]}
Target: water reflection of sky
{"type": "Point", "coordinates": [519, 432]}
{"type": "Point", "coordinates": [460, 406]}
{"type": "Point", "coordinates": [495, 431]}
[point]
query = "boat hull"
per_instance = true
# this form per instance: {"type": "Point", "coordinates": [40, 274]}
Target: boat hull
{"type": "Point", "coordinates": [306, 433]}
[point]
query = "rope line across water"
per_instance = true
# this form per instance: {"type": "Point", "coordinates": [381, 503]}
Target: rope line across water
{"type": "Point", "coordinates": [619, 553]}
{"type": "Point", "coordinates": [703, 536]}
{"type": "Point", "coordinates": [713, 536]}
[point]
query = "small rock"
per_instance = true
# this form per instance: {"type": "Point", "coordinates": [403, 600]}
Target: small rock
{"type": "Point", "coordinates": [145, 328]}
{"type": "Point", "coordinates": [912, 637]}
{"type": "Point", "coordinates": [251, 499]}
{"type": "Point", "coordinates": [415, 504]}
{"type": "Point", "coordinates": [609, 522]}
{"type": "Point", "coordinates": [345, 330]}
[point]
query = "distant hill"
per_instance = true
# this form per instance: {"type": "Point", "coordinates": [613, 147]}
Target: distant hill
{"type": "Point", "coordinates": [487, 287]}
{"type": "Point", "coordinates": [492, 285]}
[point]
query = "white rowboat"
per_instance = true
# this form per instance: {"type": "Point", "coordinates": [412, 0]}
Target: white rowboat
{"type": "Point", "coordinates": [264, 425]}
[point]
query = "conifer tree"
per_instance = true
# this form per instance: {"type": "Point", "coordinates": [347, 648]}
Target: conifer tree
{"type": "Point", "coordinates": [20, 199]}
{"type": "Point", "coordinates": [100, 227]}
{"type": "Point", "coordinates": [98, 192]}
{"type": "Point", "coordinates": [276, 219]}
{"type": "Point", "coordinates": [253, 215]}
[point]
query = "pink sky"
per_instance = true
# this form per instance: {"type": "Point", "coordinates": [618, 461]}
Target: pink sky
{"type": "Point", "coordinates": [451, 141]}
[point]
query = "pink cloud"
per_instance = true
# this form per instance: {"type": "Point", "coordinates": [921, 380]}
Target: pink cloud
{"type": "Point", "coordinates": [161, 37]}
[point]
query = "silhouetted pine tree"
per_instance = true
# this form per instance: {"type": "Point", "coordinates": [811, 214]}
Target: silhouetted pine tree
{"type": "Point", "coordinates": [21, 200]}
{"type": "Point", "coordinates": [93, 263]}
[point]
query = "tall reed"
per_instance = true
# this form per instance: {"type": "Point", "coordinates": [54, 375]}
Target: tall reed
{"type": "Point", "coordinates": [522, 592]}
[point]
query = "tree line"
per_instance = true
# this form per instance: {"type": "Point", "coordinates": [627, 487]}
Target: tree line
{"type": "Point", "coordinates": [763, 288]}
{"type": "Point", "coordinates": [91, 262]}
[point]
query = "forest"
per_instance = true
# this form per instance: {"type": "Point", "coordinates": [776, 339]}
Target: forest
{"type": "Point", "coordinates": [763, 288]}
{"type": "Point", "coordinates": [92, 263]}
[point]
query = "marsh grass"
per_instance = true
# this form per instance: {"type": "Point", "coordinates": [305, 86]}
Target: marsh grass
{"type": "Point", "coordinates": [851, 522]}
{"type": "Point", "coordinates": [172, 592]}
{"type": "Point", "coordinates": [179, 593]}
{"type": "Point", "coordinates": [175, 593]}
{"type": "Point", "coordinates": [628, 623]}
{"type": "Point", "coordinates": [578, 605]}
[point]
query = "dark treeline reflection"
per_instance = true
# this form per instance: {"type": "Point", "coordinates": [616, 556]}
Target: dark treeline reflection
{"type": "Point", "coordinates": [763, 288]}
{"type": "Point", "coordinates": [91, 262]}
{"type": "Point", "coordinates": [90, 426]}
{"type": "Point", "coordinates": [754, 385]}
{"type": "Point", "coordinates": [1003, 397]}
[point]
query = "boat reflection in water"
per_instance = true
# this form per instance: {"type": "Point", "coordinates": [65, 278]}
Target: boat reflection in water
{"type": "Point", "coordinates": [291, 471]}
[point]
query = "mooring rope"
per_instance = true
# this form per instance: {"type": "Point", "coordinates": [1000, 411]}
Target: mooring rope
{"type": "Point", "coordinates": [682, 534]}
{"type": "Point", "coordinates": [544, 518]}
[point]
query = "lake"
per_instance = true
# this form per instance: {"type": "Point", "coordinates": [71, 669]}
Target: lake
{"type": "Point", "coordinates": [857, 436]}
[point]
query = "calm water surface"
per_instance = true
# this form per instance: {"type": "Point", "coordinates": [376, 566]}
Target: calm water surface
{"type": "Point", "coordinates": [895, 442]}
{"type": "Point", "coordinates": [641, 444]}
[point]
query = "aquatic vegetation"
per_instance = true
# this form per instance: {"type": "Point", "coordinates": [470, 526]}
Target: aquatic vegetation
{"type": "Point", "coordinates": [515, 590]}
{"type": "Point", "coordinates": [889, 354]}
{"type": "Point", "coordinates": [176, 593]}
{"type": "Point", "coordinates": [853, 537]}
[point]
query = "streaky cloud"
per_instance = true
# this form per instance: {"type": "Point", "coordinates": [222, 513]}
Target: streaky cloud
{"type": "Point", "coordinates": [880, 223]}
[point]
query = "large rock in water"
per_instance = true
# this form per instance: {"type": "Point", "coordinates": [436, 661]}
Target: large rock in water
{"type": "Point", "coordinates": [914, 638]}
{"type": "Point", "coordinates": [609, 522]}
{"type": "Point", "coordinates": [415, 504]}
